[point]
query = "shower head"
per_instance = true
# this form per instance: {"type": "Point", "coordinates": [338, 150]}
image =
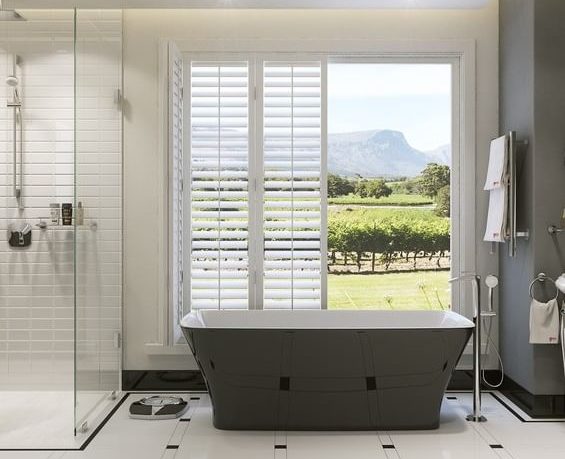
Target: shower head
{"type": "Point", "coordinates": [9, 15]}
{"type": "Point", "coordinates": [491, 281]}
{"type": "Point", "coordinates": [12, 80]}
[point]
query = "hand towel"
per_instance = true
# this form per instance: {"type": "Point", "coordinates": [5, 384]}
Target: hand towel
{"type": "Point", "coordinates": [497, 163]}
{"type": "Point", "coordinates": [544, 322]}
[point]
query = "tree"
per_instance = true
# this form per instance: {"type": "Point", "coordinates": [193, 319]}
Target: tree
{"type": "Point", "coordinates": [339, 186]}
{"type": "Point", "coordinates": [433, 178]}
{"type": "Point", "coordinates": [443, 207]}
{"type": "Point", "coordinates": [372, 189]}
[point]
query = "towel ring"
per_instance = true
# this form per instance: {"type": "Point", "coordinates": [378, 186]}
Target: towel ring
{"type": "Point", "coordinates": [542, 277]}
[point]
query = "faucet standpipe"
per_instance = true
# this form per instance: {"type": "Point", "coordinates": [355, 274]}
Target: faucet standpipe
{"type": "Point", "coordinates": [475, 416]}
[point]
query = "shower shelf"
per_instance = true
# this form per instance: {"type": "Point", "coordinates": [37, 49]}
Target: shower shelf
{"type": "Point", "coordinates": [43, 225]}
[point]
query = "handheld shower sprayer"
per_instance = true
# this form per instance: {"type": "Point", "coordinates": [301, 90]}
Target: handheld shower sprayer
{"type": "Point", "coordinates": [491, 282]}
{"type": "Point", "coordinates": [12, 81]}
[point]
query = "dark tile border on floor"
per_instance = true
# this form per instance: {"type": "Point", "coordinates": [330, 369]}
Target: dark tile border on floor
{"type": "Point", "coordinates": [163, 381]}
{"type": "Point", "coordinates": [535, 406]}
{"type": "Point", "coordinates": [88, 440]}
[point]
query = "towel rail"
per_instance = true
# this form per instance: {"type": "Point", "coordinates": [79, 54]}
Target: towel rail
{"type": "Point", "coordinates": [513, 234]}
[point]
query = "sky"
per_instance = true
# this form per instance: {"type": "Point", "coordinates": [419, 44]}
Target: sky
{"type": "Point", "coordinates": [412, 98]}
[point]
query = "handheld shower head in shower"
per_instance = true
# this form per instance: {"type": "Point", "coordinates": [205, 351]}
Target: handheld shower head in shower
{"type": "Point", "coordinates": [12, 81]}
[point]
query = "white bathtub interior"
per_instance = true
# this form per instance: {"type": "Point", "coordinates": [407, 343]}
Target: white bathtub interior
{"type": "Point", "coordinates": [322, 319]}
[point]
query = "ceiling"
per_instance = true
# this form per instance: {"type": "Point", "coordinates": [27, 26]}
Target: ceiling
{"type": "Point", "coordinates": [357, 4]}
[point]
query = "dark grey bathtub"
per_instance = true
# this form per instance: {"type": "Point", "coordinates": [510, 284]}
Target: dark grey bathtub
{"type": "Point", "coordinates": [326, 370]}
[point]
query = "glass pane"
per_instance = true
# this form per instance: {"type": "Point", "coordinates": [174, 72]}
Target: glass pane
{"type": "Point", "coordinates": [36, 281]}
{"type": "Point", "coordinates": [389, 158]}
{"type": "Point", "coordinates": [97, 209]}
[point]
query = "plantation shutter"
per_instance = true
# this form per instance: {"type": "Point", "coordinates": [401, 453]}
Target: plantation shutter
{"type": "Point", "coordinates": [175, 106]}
{"type": "Point", "coordinates": [292, 162]}
{"type": "Point", "coordinates": [219, 195]}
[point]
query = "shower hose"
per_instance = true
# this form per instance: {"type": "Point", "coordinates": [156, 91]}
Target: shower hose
{"type": "Point", "coordinates": [490, 343]}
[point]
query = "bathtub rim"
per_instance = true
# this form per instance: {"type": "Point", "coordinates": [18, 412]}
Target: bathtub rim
{"type": "Point", "coordinates": [451, 320]}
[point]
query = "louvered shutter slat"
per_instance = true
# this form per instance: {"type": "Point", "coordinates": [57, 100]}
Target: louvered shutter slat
{"type": "Point", "coordinates": [292, 191]}
{"type": "Point", "coordinates": [219, 194]}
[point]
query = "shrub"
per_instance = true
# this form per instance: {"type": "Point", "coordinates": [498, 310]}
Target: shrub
{"type": "Point", "coordinates": [372, 189]}
{"type": "Point", "coordinates": [443, 202]}
{"type": "Point", "coordinates": [339, 186]}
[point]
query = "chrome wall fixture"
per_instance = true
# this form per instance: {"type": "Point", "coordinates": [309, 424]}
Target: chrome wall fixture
{"type": "Point", "coordinates": [513, 233]}
{"type": "Point", "coordinates": [17, 127]}
{"type": "Point", "coordinates": [476, 415]}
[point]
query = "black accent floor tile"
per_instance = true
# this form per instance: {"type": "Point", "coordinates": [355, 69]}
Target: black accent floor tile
{"type": "Point", "coordinates": [160, 380]}
{"type": "Point", "coordinates": [389, 447]}
{"type": "Point", "coordinates": [280, 446]}
{"type": "Point", "coordinates": [496, 446]}
{"type": "Point", "coordinates": [172, 447]}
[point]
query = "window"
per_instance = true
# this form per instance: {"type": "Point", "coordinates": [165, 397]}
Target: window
{"type": "Point", "coordinates": [260, 206]}
{"type": "Point", "coordinates": [389, 157]}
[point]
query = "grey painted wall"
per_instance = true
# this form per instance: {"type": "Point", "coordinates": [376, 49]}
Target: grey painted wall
{"type": "Point", "coordinates": [532, 102]}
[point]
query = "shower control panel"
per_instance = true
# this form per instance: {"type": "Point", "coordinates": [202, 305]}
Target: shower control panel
{"type": "Point", "coordinates": [20, 237]}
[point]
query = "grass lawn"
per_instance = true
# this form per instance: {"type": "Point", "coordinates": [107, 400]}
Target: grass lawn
{"type": "Point", "coordinates": [369, 291]}
{"type": "Point", "coordinates": [392, 200]}
{"type": "Point", "coordinates": [355, 213]}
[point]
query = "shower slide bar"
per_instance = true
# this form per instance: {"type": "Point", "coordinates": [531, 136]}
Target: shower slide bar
{"type": "Point", "coordinates": [16, 104]}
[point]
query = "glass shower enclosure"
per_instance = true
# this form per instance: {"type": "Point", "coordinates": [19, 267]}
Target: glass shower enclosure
{"type": "Point", "coordinates": [61, 222]}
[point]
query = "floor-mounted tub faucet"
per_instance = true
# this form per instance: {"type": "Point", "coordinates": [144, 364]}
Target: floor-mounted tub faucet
{"type": "Point", "coordinates": [475, 416]}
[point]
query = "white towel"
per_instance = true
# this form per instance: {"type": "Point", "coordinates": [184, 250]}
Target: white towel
{"type": "Point", "coordinates": [544, 322]}
{"type": "Point", "coordinates": [496, 219]}
{"type": "Point", "coordinates": [497, 163]}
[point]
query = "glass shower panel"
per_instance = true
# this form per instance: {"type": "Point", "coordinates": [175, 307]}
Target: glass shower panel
{"type": "Point", "coordinates": [36, 271]}
{"type": "Point", "coordinates": [97, 211]}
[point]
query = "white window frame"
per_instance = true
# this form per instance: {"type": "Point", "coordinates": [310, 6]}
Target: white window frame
{"type": "Point", "coordinates": [463, 53]}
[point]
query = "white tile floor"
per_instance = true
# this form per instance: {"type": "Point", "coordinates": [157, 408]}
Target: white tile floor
{"type": "Point", "coordinates": [196, 438]}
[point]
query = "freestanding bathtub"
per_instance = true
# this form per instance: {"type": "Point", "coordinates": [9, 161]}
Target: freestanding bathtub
{"type": "Point", "coordinates": [326, 370]}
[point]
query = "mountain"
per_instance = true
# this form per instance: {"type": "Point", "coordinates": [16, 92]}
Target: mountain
{"type": "Point", "coordinates": [379, 153]}
{"type": "Point", "coordinates": [441, 155]}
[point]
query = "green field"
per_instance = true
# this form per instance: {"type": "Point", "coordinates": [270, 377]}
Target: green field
{"type": "Point", "coordinates": [363, 214]}
{"type": "Point", "coordinates": [392, 200]}
{"type": "Point", "coordinates": [403, 290]}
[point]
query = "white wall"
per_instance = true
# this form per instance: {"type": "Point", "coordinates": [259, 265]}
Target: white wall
{"type": "Point", "coordinates": [143, 154]}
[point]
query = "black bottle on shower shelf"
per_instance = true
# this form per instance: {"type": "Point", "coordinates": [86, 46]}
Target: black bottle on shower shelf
{"type": "Point", "coordinates": [67, 213]}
